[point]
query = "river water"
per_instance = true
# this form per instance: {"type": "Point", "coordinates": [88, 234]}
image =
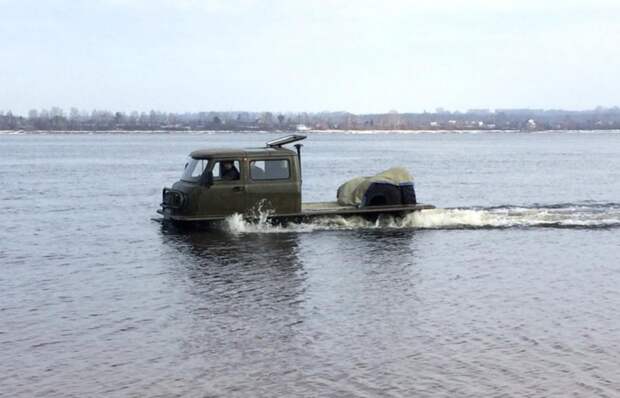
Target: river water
{"type": "Point", "coordinates": [509, 288]}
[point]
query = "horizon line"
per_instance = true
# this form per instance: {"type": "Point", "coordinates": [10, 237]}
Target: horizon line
{"type": "Point", "coordinates": [438, 110]}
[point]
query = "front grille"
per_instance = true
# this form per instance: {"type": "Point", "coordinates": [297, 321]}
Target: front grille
{"type": "Point", "coordinates": [172, 199]}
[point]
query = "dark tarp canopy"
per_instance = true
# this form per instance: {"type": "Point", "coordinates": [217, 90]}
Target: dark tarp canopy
{"type": "Point", "coordinates": [354, 192]}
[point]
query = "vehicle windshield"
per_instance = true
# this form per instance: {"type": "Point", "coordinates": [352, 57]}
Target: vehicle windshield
{"type": "Point", "coordinates": [194, 169]}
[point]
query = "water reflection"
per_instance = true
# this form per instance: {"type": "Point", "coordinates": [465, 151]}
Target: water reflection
{"type": "Point", "coordinates": [356, 276]}
{"type": "Point", "coordinates": [282, 266]}
{"type": "Point", "coordinates": [222, 264]}
{"type": "Point", "coordinates": [243, 292]}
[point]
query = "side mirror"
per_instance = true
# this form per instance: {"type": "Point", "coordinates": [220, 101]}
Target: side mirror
{"type": "Point", "coordinates": [207, 178]}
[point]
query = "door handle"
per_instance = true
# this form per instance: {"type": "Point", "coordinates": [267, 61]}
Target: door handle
{"type": "Point", "coordinates": [238, 189]}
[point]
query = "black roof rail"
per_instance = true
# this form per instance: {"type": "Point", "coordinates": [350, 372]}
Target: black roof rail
{"type": "Point", "coordinates": [278, 142]}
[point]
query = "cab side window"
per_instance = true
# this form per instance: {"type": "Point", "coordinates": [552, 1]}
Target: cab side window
{"type": "Point", "coordinates": [277, 169]}
{"type": "Point", "coordinates": [226, 170]}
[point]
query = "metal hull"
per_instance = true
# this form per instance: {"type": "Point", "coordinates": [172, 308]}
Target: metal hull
{"type": "Point", "coordinates": [309, 212]}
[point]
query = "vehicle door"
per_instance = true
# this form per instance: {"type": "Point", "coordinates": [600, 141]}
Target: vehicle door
{"type": "Point", "coordinates": [226, 194]}
{"type": "Point", "coordinates": [272, 186]}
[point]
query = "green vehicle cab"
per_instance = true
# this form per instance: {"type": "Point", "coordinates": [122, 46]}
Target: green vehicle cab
{"type": "Point", "coordinates": [217, 183]}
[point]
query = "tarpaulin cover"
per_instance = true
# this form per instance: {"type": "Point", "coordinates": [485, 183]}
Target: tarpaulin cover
{"type": "Point", "coordinates": [352, 192]}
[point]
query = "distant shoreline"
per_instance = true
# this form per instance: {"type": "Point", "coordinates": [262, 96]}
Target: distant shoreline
{"type": "Point", "coordinates": [312, 131]}
{"type": "Point", "coordinates": [57, 120]}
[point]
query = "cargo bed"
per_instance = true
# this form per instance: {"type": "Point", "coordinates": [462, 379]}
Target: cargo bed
{"type": "Point", "coordinates": [317, 209]}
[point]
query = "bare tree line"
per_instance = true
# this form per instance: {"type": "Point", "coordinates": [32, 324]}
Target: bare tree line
{"type": "Point", "coordinates": [57, 119]}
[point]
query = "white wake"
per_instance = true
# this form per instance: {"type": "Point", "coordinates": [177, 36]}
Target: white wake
{"type": "Point", "coordinates": [555, 216]}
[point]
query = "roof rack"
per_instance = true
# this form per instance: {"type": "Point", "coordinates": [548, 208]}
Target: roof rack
{"type": "Point", "coordinates": [278, 142]}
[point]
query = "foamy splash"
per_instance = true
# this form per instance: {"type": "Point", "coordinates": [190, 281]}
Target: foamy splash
{"type": "Point", "coordinates": [590, 216]}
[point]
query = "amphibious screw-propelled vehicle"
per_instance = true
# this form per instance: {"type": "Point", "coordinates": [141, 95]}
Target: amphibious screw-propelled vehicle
{"type": "Point", "coordinates": [267, 182]}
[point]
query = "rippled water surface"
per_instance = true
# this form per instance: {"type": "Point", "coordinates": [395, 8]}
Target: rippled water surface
{"type": "Point", "coordinates": [509, 288]}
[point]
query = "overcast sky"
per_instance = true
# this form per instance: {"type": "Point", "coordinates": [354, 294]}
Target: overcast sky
{"type": "Point", "coordinates": [359, 56]}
